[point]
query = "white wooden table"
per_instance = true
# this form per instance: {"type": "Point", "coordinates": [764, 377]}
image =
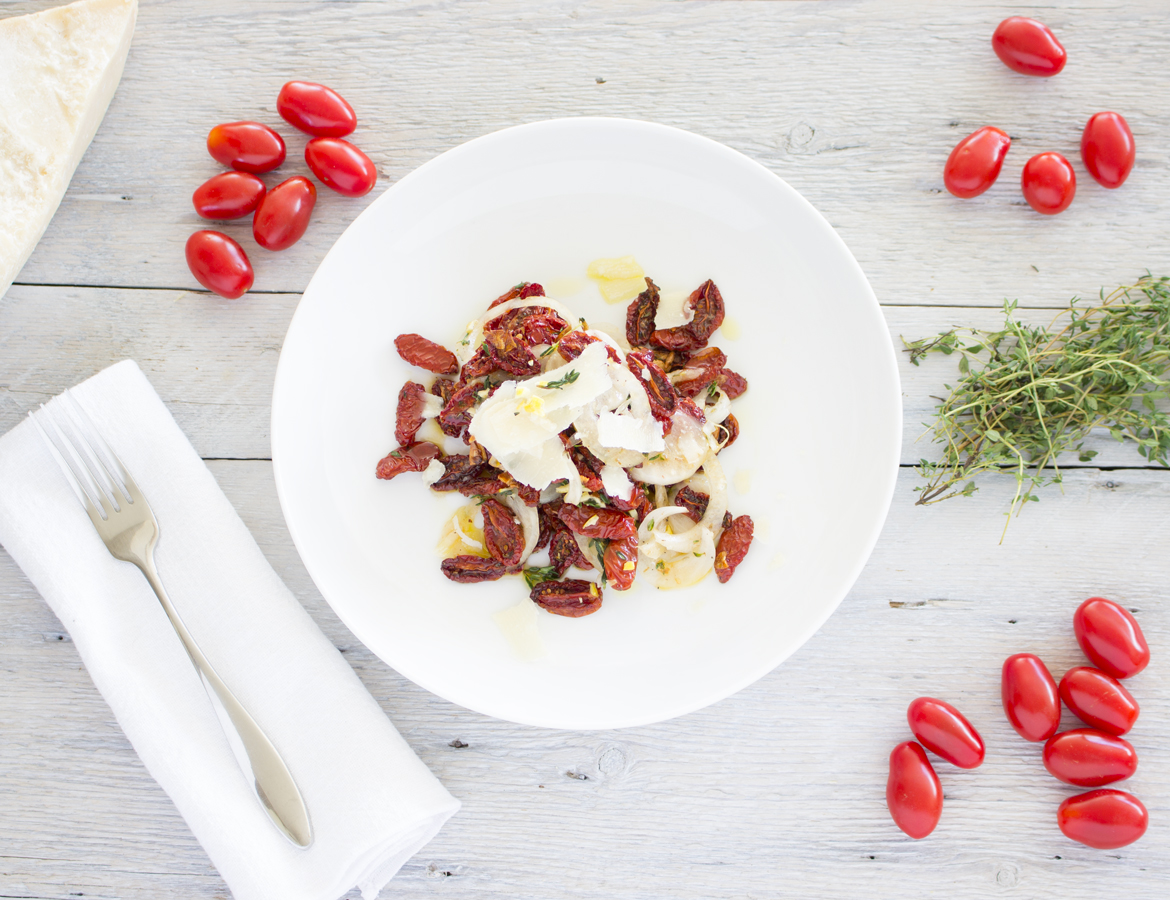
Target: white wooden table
{"type": "Point", "coordinates": [779, 790]}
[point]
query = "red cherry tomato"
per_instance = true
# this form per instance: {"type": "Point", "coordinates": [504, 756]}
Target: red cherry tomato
{"type": "Point", "coordinates": [283, 214]}
{"type": "Point", "coordinates": [246, 146]}
{"type": "Point", "coordinates": [228, 195]}
{"type": "Point", "coordinates": [1111, 637]}
{"type": "Point", "coordinates": [1107, 149]}
{"type": "Point", "coordinates": [1030, 698]}
{"type": "Point", "coordinates": [315, 109]}
{"type": "Point", "coordinates": [219, 263]}
{"type": "Point", "coordinates": [1099, 700]}
{"type": "Point", "coordinates": [913, 792]}
{"type": "Point", "coordinates": [1049, 183]}
{"type": "Point", "coordinates": [341, 166]}
{"type": "Point", "coordinates": [942, 729]}
{"type": "Point", "coordinates": [1087, 757]}
{"type": "Point", "coordinates": [975, 162]}
{"type": "Point", "coordinates": [1028, 47]}
{"type": "Point", "coordinates": [1104, 819]}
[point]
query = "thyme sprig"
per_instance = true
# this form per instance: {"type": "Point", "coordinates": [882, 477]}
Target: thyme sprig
{"type": "Point", "coordinates": [1028, 393]}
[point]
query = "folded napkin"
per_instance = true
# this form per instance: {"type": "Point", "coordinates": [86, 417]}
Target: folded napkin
{"type": "Point", "coordinates": [371, 801]}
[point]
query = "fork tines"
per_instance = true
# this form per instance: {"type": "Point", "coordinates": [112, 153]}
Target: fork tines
{"type": "Point", "coordinates": [91, 467]}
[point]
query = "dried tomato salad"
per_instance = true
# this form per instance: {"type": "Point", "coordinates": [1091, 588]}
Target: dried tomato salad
{"type": "Point", "coordinates": [602, 451]}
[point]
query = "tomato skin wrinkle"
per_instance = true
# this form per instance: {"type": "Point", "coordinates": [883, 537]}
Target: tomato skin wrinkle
{"type": "Point", "coordinates": [1030, 697]}
{"type": "Point", "coordinates": [913, 792]}
{"type": "Point", "coordinates": [228, 195]}
{"type": "Point", "coordinates": [341, 166]}
{"type": "Point", "coordinates": [283, 214]}
{"type": "Point", "coordinates": [246, 146]}
{"type": "Point", "coordinates": [1087, 757]}
{"type": "Point", "coordinates": [219, 264]}
{"type": "Point", "coordinates": [1049, 183]}
{"type": "Point", "coordinates": [1103, 819]}
{"type": "Point", "coordinates": [1107, 149]}
{"type": "Point", "coordinates": [945, 731]}
{"type": "Point", "coordinates": [1099, 699]}
{"type": "Point", "coordinates": [1028, 47]}
{"type": "Point", "coordinates": [315, 109]}
{"type": "Point", "coordinates": [976, 161]}
{"type": "Point", "coordinates": [1111, 637]}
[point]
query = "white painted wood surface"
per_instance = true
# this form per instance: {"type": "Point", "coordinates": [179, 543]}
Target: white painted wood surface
{"type": "Point", "coordinates": [779, 790]}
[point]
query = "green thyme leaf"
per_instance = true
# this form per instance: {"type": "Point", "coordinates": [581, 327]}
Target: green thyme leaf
{"type": "Point", "coordinates": [535, 575]}
{"type": "Point", "coordinates": [571, 376]}
{"type": "Point", "coordinates": [1029, 393]}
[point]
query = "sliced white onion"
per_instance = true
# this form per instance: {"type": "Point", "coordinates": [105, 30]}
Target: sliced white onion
{"type": "Point", "coordinates": [686, 445]}
{"type": "Point", "coordinates": [469, 541]}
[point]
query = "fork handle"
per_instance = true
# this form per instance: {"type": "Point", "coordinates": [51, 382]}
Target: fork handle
{"type": "Point", "coordinates": [271, 779]}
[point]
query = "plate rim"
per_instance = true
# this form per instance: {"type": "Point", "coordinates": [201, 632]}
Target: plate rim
{"type": "Point", "coordinates": [699, 700]}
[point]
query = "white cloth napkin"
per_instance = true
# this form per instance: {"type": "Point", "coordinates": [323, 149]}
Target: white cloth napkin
{"type": "Point", "coordinates": [371, 801]}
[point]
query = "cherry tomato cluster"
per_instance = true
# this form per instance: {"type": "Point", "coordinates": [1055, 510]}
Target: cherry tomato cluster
{"type": "Point", "coordinates": [1086, 757]}
{"type": "Point", "coordinates": [913, 791]}
{"type": "Point", "coordinates": [280, 215]}
{"type": "Point", "coordinates": [1048, 180]}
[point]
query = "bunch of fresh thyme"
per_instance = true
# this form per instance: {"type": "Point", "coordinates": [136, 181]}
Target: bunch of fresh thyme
{"type": "Point", "coordinates": [1028, 394]}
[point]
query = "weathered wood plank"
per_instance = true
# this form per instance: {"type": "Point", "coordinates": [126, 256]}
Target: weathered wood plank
{"type": "Point", "coordinates": [775, 791]}
{"type": "Point", "coordinates": [213, 361]}
{"type": "Point", "coordinates": [856, 104]}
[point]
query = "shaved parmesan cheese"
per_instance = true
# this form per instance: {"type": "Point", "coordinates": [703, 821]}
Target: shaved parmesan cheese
{"type": "Point", "coordinates": [672, 310]}
{"type": "Point", "coordinates": [432, 405]}
{"type": "Point", "coordinates": [58, 71]}
{"type": "Point", "coordinates": [616, 482]}
{"type": "Point", "coordinates": [612, 269]}
{"type": "Point", "coordinates": [520, 626]}
{"type": "Point", "coordinates": [433, 472]}
{"type": "Point", "coordinates": [521, 422]}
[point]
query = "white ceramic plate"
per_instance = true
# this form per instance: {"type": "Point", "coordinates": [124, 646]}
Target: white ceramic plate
{"type": "Point", "coordinates": [814, 466]}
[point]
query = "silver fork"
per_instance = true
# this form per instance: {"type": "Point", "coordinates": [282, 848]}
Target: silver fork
{"type": "Point", "coordinates": [127, 526]}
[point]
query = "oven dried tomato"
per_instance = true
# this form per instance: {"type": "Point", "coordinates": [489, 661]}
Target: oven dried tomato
{"type": "Point", "coordinates": [509, 354]}
{"type": "Point", "coordinates": [671, 360]}
{"type": "Point", "coordinates": [573, 598]}
{"type": "Point", "coordinates": [662, 395]}
{"type": "Point", "coordinates": [414, 458]}
{"type": "Point", "coordinates": [597, 522]}
{"type": "Point", "coordinates": [531, 325]}
{"type": "Point", "coordinates": [563, 550]}
{"type": "Point", "coordinates": [456, 415]}
{"type": "Point", "coordinates": [701, 370]}
{"type": "Point", "coordinates": [571, 345]}
{"type": "Point", "coordinates": [472, 569]}
{"type": "Point", "coordinates": [522, 291]}
{"type": "Point", "coordinates": [409, 417]}
{"type": "Point", "coordinates": [731, 426]}
{"type": "Point", "coordinates": [733, 547]}
{"type": "Point", "coordinates": [640, 316]}
{"type": "Point", "coordinates": [692, 409]}
{"type": "Point", "coordinates": [418, 351]}
{"type": "Point", "coordinates": [621, 562]}
{"type": "Point", "coordinates": [707, 304]}
{"type": "Point", "coordinates": [694, 502]}
{"type": "Point", "coordinates": [502, 534]}
{"type": "Point", "coordinates": [444, 388]}
{"type": "Point", "coordinates": [732, 384]}
{"type": "Point", "coordinates": [588, 467]}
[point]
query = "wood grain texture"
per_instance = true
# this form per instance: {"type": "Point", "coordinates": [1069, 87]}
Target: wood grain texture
{"type": "Point", "coordinates": [778, 790]}
{"type": "Point", "coordinates": [775, 792]}
{"type": "Point", "coordinates": [855, 104]}
{"type": "Point", "coordinates": [213, 361]}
